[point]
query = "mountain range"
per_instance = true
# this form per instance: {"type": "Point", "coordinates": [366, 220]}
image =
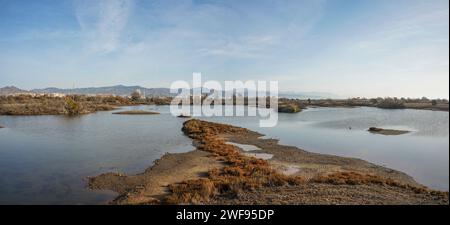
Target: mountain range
{"type": "Point", "coordinates": [9, 90]}
{"type": "Point", "coordinates": [116, 90]}
{"type": "Point", "coordinates": [123, 90]}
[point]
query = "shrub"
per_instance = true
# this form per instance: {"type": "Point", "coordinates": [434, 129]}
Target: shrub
{"type": "Point", "coordinates": [72, 107]}
{"type": "Point", "coordinates": [390, 103]}
{"type": "Point", "coordinates": [433, 102]}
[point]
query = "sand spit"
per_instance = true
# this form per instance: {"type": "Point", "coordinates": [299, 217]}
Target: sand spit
{"type": "Point", "coordinates": [136, 112]}
{"type": "Point", "coordinates": [219, 173]}
{"type": "Point", "coordinates": [149, 186]}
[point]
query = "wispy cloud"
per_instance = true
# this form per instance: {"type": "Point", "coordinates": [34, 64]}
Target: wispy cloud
{"type": "Point", "coordinates": [415, 22]}
{"type": "Point", "coordinates": [234, 30]}
{"type": "Point", "coordinates": [103, 22]}
{"type": "Point", "coordinates": [42, 35]}
{"type": "Point", "coordinates": [241, 47]}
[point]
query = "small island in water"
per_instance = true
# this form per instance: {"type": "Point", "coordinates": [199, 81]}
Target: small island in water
{"type": "Point", "coordinates": [136, 112]}
{"type": "Point", "coordinates": [376, 130]}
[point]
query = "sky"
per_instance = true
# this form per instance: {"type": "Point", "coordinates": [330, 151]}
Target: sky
{"type": "Point", "coordinates": [350, 48]}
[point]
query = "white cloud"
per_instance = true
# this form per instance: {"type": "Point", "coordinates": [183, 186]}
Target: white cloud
{"type": "Point", "coordinates": [103, 22]}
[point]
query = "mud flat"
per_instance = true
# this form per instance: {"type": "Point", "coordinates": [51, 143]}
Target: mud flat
{"type": "Point", "coordinates": [136, 112]}
{"type": "Point", "coordinates": [218, 172]}
{"type": "Point", "coordinates": [376, 130]}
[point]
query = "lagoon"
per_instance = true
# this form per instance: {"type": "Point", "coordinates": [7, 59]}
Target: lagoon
{"type": "Point", "coordinates": [45, 159]}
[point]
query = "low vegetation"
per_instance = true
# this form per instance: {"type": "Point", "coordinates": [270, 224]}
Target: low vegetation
{"type": "Point", "coordinates": [385, 103]}
{"type": "Point", "coordinates": [284, 105]}
{"type": "Point", "coordinates": [241, 173]}
{"type": "Point", "coordinates": [27, 104]}
{"type": "Point", "coordinates": [50, 105]}
{"type": "Point", "coordinates": [72, 107]}
{"type": "Point", "coordinates": [246, 174]}
{"type": "Point", "coordinates": [354, 178]}
{"type": "Point", "coordinates": [289, 105]}
{"type": "Point", "coordinates": [219, 173]}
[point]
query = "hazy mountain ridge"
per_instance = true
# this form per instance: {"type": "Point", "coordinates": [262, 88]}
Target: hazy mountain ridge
{"type": "Point", "coordinates": [8, 90]}
{"type": "Point", "coordinates": [115, 90]}
{"type": "Point", "coordinates": [123, 90]}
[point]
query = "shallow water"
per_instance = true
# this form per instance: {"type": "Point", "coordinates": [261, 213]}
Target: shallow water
{"type": "Point", "coordinates": [264, 156]}
{"type": "Point", "coordinates": [423, 153]}
{"type": "Point", "coordinates": [246, 148]}
{"type": "Point", "coordinates": [44, 159]}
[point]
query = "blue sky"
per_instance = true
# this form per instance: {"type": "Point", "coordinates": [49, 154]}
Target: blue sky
{"type": "Point", "coordinates": [347, 47]}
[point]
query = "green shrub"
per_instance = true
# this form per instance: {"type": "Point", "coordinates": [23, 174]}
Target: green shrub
{"type": "Point", "coordinates": [72, 107]}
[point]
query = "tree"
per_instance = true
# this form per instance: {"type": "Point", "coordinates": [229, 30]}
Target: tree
{"type": "Point", "coordinates": [136, 95]}
{"type": "Point", "coordinates": [433, 102]}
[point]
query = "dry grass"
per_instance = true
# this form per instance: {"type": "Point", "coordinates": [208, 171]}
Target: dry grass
{"type": "Point", "coordinates": [289, 107]}
{"type": "Point", "coordinates": [193, 191]}
{"type": "Point", "coordinates": [48, 105]}
{"type": "Point", "coordinates": [242, 173]}
{"type": "Point", "coordinates": [354, 178]}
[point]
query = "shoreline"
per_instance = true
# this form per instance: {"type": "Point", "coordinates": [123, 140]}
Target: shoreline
{"type": "Point", "coordinates": [217, 172]}
{"type": "Point", "coordinates": [359, 106]}
{"type": "Point", "coordinates": [116, 107]}
{"type": "Point", "coordinates": [333, 105]}
{"type": "Point", "coordinates": [24, 105]}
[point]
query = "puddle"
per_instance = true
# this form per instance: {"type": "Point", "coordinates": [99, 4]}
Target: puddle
{"type": "Point", "coordinates": [290, 170]}
{"type": "Point", "coordinates": [259, 155]}
{"type": "Point", "coordinates": [246, 148]}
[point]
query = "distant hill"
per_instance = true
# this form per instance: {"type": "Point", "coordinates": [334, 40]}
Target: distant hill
{"type": "Point", "coordinates": [123, 90]}
{"type": "Point", "coordinates": [116, 90]}
{"type": "Point", "coordinates": [9, 90]}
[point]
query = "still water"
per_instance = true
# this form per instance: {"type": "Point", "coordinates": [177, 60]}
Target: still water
{"type": "Point", "coordinates": [45, 159]}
